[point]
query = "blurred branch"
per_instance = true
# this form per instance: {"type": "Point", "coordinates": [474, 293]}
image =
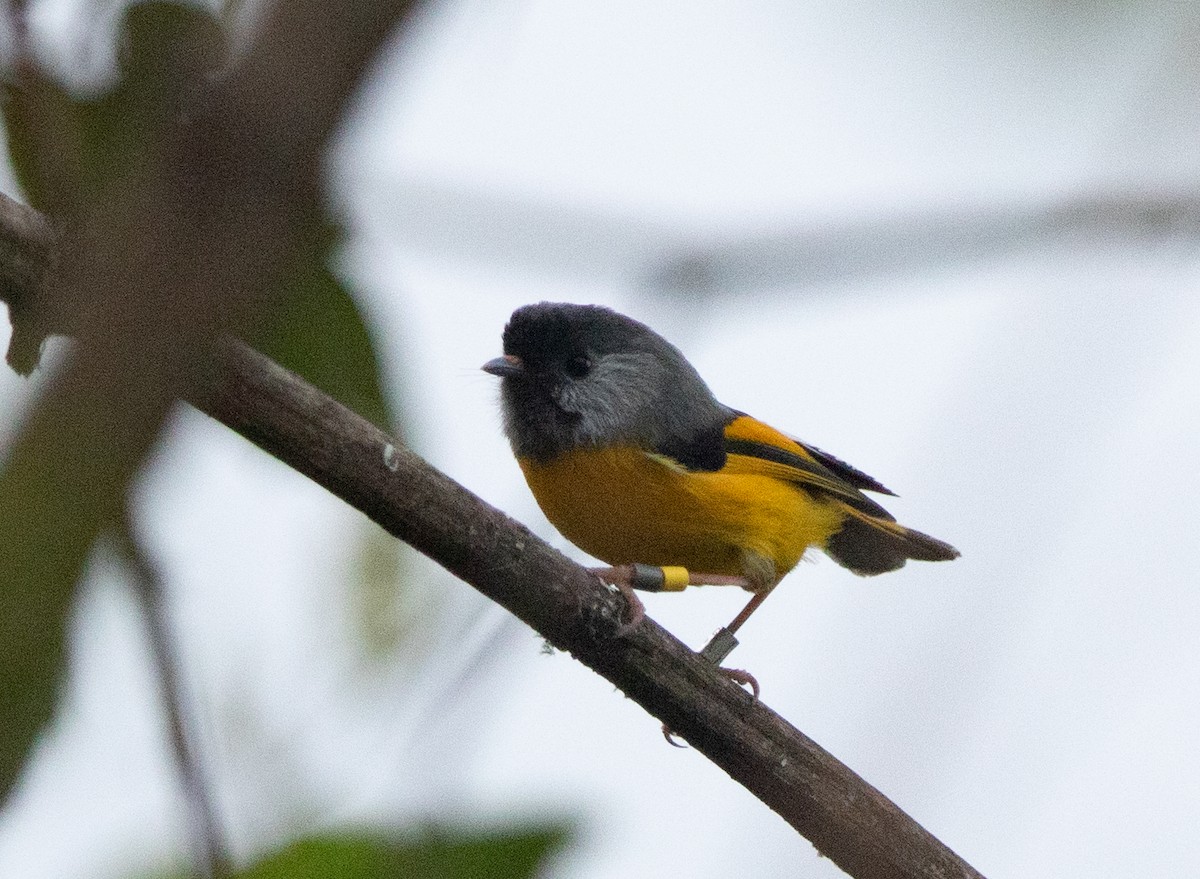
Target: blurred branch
{"type": "Point", "coordinates": [27, 245]}
{"type": "Point", "coordinates": [751, 260]}
{"type": "Point", "coordinates": [204, 828]}
{"type": "Point", "coordinates": [844, 817]}
{"type": "Point", "coordinates": [813, 255]}
{"type": "Point", "coordinates": [189, 250]}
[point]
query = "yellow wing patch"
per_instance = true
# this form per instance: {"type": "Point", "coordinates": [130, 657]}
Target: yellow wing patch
{"type": "Point", "coordinates": [755, 447]}
{"type": "Point", "coordinates": [752, 430]}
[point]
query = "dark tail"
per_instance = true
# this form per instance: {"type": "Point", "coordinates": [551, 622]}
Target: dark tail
{"type": "Point", "coordinates": [869, 545]}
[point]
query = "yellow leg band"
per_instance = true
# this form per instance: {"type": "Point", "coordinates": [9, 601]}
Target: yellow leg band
{"type": "Point", "coordinates": [675, 579]}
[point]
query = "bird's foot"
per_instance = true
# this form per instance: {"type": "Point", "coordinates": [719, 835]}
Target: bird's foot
{"type": "Point", "coordinates": [715, 651]}
{"type": "Point", "coordinates": [622, 578]}
{"type": "Point", "coordinates": [719, 647]}
{"type": "Point", "coordinates": [742, 678]}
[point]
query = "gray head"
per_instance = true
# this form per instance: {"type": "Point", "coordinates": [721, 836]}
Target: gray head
{"type": "Point", "coordinates": [583, 375]}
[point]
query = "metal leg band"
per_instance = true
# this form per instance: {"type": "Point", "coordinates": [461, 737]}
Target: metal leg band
{"type": "Point", "coordinates": [719, 647]}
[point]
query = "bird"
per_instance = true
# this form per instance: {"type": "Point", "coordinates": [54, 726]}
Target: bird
{"type": "Point", "coordinates": [634, 460]}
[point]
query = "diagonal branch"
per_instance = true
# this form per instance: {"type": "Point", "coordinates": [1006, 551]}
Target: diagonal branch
{"type": "Point", "coordinates": [847, 820]}
{"type": "Point", "coordinates": [842, 815]}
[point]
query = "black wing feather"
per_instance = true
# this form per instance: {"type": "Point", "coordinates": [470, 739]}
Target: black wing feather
{"type": "Point", "coordinates": [824, 479]}
{"type": "Point", "coordinates": [852, 475]}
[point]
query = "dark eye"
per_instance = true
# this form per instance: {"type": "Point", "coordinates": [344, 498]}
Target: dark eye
{"type": "Point", "coordinates": [578, 367]}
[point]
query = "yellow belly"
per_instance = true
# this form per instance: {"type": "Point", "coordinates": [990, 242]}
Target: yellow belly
{"type": "Point", "coordinates": [622, 506]}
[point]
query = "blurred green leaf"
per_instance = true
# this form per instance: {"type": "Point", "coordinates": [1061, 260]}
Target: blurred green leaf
{"type": "Point", "coordinates": [439, 855]}
{"type": "Point", "coordinates": [42, 124]}
{"type": "Point", "coordinates": [66, 151]}
{"type": "Point", "coordinates": [317, 331]}
{"type": "Point", "coordinates": [39, 566]}
{"type": "Point", "coordinates": [33, 613]}
{"type": "Point", "coordinates": [166, 52]}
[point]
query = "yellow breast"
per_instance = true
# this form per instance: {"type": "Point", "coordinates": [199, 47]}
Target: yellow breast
{"type": "Point", "coordinates": [623, 505]}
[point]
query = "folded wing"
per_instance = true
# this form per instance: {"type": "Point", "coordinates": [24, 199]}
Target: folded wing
{"type": "Point", "coordinates": [870, 540]}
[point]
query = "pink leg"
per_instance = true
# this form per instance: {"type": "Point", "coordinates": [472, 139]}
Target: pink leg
{"type": "Point", "coordinates": [751, 606]}
{"type": "Point", "coordinates": [627, 578]}
{"type": "Point", "coordinates": [722, 643]}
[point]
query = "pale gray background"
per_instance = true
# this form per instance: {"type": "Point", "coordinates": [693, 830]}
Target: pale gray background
{"type": "Point", "coordinates": [901, 231]}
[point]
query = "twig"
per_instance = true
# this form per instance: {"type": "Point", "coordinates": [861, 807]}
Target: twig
{"type": "Point", "coordinates": [203, 827]}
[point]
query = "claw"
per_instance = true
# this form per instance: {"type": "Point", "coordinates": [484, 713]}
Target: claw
{"type": "Point", "coordinates": [622, 578]}
{"type": "Point", "coordinates": [742, 678]}
{"type": "Point", "coordinates": [739, 676]}
{"type": "Point", "coordinates": [669, 735]}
